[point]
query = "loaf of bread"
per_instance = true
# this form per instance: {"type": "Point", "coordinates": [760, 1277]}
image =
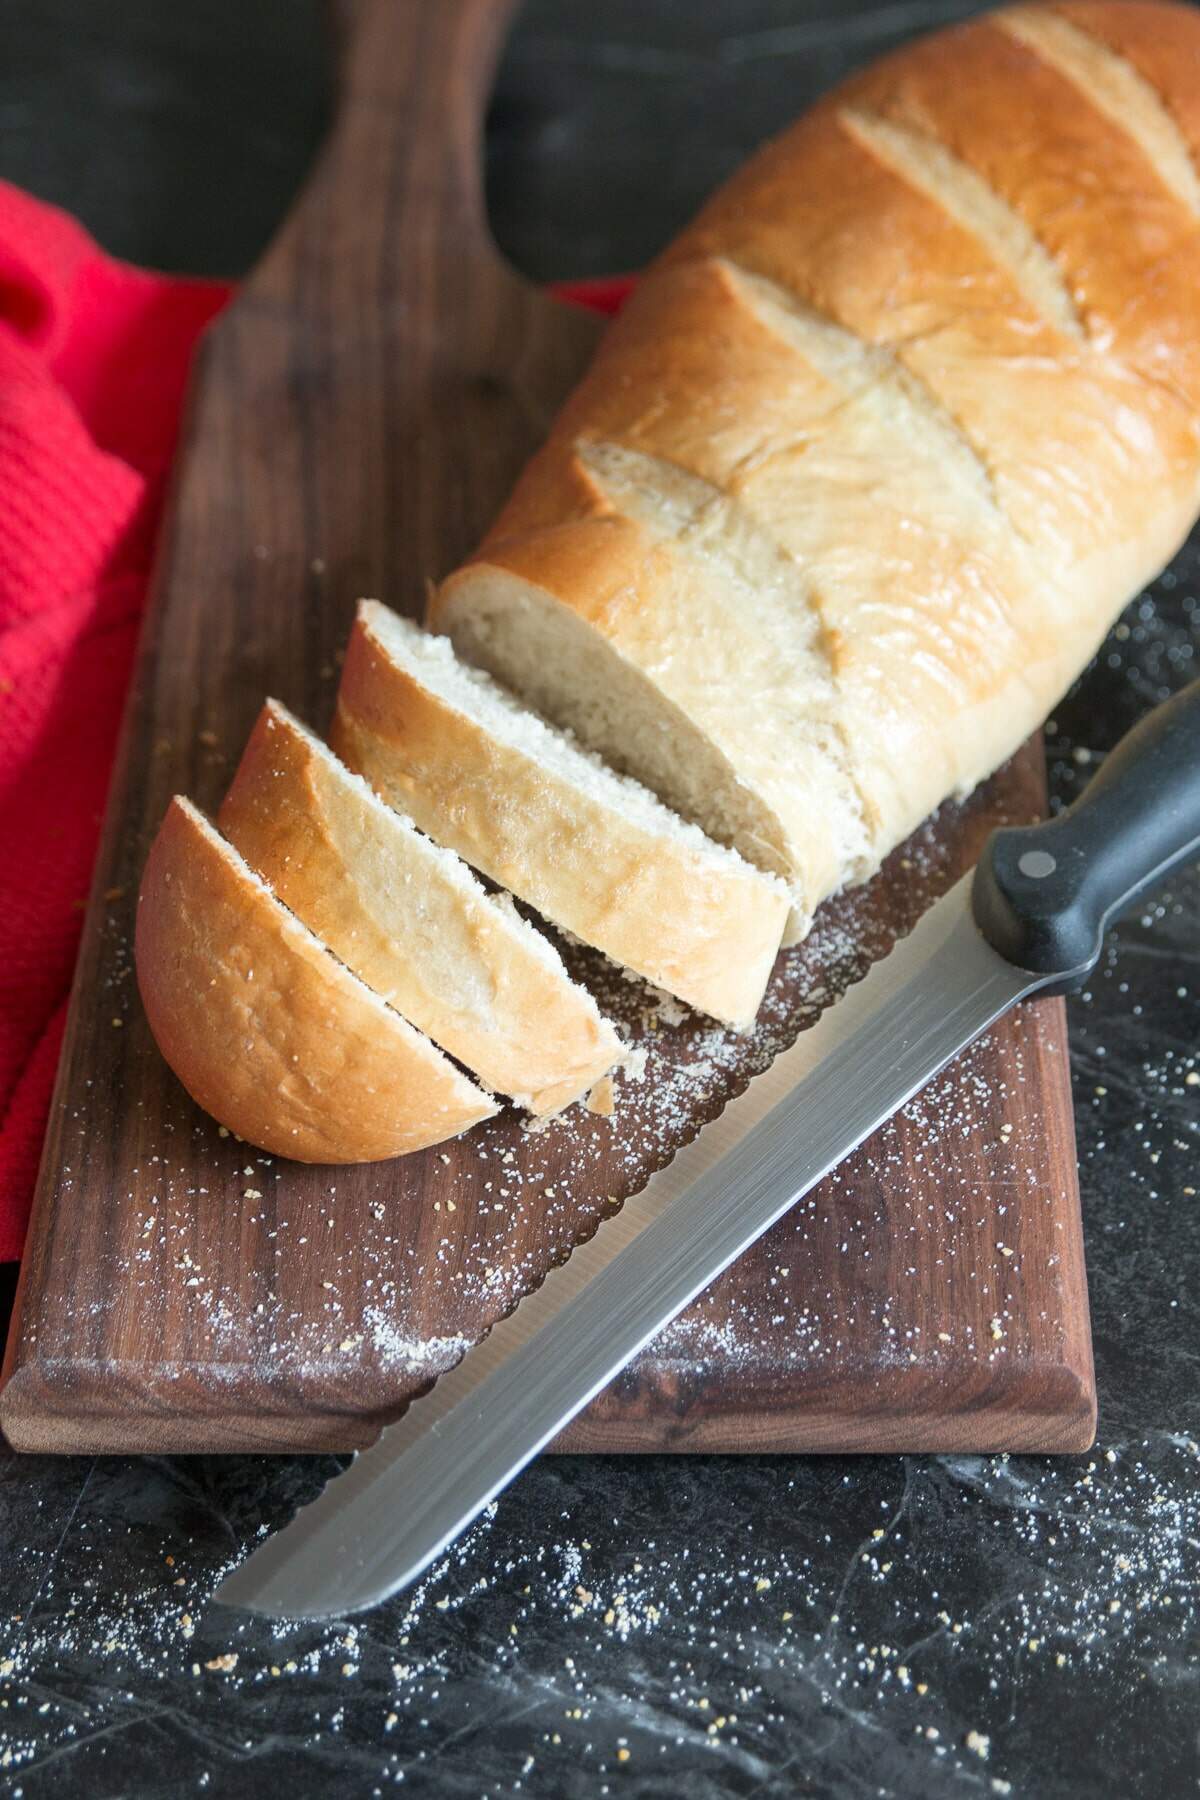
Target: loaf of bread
{"type": "Point", "coordinates": [593, 852]}
{"type": "Point", "coordinates": [880, 446]}
{"type": "Point", "coordinates": [852, 490]}
{"type": "Point", "coordinates": [266, 1030]}
{"type": "Point", "coordinates": [412, 922]}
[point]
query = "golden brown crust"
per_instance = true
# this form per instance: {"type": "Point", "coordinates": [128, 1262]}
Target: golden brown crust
{"type": "Point", "coordinates": [1080, 181]}
{"type": "Point", "coordinates": [1160, 41]}
{"type": "Point", "coordinates": [436, 947]}
{"type": "Point", "coordinates": [265, 1030]}
{"type": "Point", "coordinates": [940, 344]}
{"type": "Point", "coordinates": [705, 929]}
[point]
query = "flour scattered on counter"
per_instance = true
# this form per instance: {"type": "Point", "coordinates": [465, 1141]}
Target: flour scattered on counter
{"type": "Point", "coordinates": [1101, 1583]}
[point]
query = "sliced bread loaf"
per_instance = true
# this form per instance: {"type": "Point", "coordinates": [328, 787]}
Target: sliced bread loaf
{"type": "Point", "coordinates": [265, 1029]}
{"type": "Point", "coordinates": [411, 920]}
{"type": "Point", "coordinates": [595, 852]}
{"type": "Point", "coordinates": [880, 446]}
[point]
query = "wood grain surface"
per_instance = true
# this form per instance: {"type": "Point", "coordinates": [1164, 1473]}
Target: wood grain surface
{"type": "Point", "coordinates": [356, 417]}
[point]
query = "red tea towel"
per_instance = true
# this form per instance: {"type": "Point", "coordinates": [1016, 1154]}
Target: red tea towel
{"type": "Point", "coordinates": [94, 358]}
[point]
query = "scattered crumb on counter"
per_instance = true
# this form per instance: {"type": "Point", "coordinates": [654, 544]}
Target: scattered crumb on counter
{"type": "Point", "coordinates": [601, 1099]}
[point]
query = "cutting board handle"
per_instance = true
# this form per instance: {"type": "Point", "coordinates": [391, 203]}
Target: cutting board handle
{"type": "Point", "coordinates": [403, 162]}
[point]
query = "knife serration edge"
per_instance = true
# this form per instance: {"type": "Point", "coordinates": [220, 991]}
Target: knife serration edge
{"type": "Point", "coordinates": [400, 1504]}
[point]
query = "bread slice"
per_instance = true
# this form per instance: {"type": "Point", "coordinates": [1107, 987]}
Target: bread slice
{"type": "Point", "coordinates": [411, 920]}
{"type": "Point", "coordinates": [678, 643]}
{"type": "Point", "coordinates": [265, 1029]}
{"type": "Point", "coordinates": [593, 852]}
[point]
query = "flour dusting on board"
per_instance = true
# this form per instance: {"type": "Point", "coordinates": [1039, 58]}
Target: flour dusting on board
{"type": "Point", "coordinates": [361, 1305]}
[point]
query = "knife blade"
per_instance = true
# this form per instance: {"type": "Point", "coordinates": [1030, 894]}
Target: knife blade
{"type": "Point", "coordinates": [406, 1498]}
{"type": "Point", "coordinates": [1043, 895]}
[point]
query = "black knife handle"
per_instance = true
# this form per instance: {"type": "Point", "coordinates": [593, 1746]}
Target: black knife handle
{"type": "Point", "coordinates": [1043, 894]}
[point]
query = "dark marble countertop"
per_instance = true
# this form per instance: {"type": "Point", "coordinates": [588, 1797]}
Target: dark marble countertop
{"type": "Point", "coordinates": [866, 1627]}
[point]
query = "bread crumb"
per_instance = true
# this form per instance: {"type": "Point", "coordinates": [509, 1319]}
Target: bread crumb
{"type": "Point", "coordinates": [226, 1663]}
{"type": "Point", "coordinates": [601, 1099]}
{"type": "Point", "coordinates": [980, 1743]}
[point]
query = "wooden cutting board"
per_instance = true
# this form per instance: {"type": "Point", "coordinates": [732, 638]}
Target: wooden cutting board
{"type": "Point", "coordinates": [356, 417]}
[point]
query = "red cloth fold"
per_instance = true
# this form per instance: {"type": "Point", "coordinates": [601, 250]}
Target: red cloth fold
{"type": "Point", "coordinates": [94, 356]}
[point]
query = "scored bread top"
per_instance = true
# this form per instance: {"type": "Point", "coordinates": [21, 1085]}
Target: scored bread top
{"type": "Point", "coordinates": [265, 1029]}
{"type": "Point", "coordinates": [410, 920]}
{"type": "Point", "coordinates": [871, 459]}
{"type": "Point", "coordinates": [593, 853]}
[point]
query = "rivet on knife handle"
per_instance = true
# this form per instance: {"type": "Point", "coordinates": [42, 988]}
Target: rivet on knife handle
{"type": "Point", "coordinates": [1044, 894]}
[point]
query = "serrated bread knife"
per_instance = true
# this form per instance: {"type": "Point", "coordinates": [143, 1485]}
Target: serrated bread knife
{"type": "Point", "coordinates": [1029, 920]}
